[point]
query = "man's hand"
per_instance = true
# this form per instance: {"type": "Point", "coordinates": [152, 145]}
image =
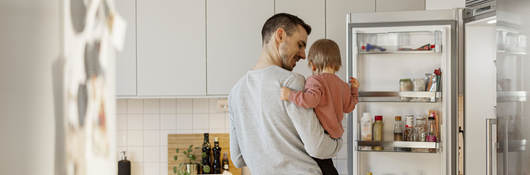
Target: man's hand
{"type": "Point", "coordinates": [354, 83]}
{"type": "Point", "coordinates": [285, 92]}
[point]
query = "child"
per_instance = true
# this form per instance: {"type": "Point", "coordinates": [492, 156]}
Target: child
{"type": "Point", "coordinates": [326, 93]}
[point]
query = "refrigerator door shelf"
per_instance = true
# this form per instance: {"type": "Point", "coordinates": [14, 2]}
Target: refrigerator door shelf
{"type": "Point", "coordinates": [405, 96]}
{"type": "Point", "coordinates": [401, 52]}
{"type": "Point", "coordinates": [399, 146]}
{"type": "Point", "coordinates": [415, 144]}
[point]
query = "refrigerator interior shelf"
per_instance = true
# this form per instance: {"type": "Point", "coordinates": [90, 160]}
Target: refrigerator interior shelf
{"type": "Point", "coordinates": [405, 96]}
{"type": "Point", "coordinates": [511, 96]}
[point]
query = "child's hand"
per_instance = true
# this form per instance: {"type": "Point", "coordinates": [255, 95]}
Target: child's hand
{"type": "Point", "coordinates": [354, 82]}
{"type": "Point", "coordinates": [285, 92]}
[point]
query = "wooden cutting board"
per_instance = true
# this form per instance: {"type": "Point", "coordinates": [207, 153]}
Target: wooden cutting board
{"type": "Point", "coordinates": [183, 141]}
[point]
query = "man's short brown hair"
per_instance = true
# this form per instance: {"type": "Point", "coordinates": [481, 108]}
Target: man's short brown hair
{"type": "Point", "coordinates": [284, 20]}
{"type": "Point", "coordinates": [324, 53]}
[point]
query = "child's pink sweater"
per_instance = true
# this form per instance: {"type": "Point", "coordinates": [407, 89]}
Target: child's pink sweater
{"type": "Point", "coordinates": [330, 97]}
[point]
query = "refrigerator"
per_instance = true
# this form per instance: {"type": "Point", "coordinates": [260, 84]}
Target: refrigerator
{"type": "Point", "coordinates": [388, 52]}
{"type": "Point", "coordinates": [496, 87]}
{"type": "Point", "coordinates": [481, 101]}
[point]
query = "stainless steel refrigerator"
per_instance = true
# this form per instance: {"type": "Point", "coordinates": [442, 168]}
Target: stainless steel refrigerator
{"type": "Point", "coordinates": [496, 125]}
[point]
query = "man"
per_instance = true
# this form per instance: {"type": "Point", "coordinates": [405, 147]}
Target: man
{"type": "Point", "coordinates": [269, 135]}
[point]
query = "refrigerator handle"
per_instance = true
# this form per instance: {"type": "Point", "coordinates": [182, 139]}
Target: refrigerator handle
{"type": "Point", "coordinates": [491, 146]}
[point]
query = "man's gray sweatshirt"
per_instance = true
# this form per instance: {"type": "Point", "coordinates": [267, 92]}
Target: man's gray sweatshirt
{"type": "Point", "coordinates": [272, 136]}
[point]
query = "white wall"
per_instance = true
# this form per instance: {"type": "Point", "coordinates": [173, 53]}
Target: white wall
{"type": "Point", "coordinates": [29, 44]}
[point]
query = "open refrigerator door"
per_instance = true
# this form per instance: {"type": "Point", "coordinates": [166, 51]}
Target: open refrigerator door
{"type": "Point", "coordinates": [407, 74]}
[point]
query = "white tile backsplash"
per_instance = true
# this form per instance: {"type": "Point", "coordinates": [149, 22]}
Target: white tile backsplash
{"type": "Point", "coordinates": [163, 168]}
{"type": "Point", "coordinates": [185, 121]}
{"type": "Point", "coordinates": [201, 106]}
{"type": "Point", "coordinates": [168, 121]}
{"type": "Point", "coordinates": [151, 122]}
{"type": "Point", "coordinates": [152, 154]}
{"type": "Point", "coordinates": [152, 138]}
{"type": "Point", "coordinates": [163, 154]}
{"type": "Point", "coordinates": [121, 107]}
{"type": "Point", "coordinates": [151, 168]}
{"type": "Point", "coordinates": [200, 121]}
{"type": "Point", "coordinates": [135, 106]}
{"type": "Point", "coordinates": [168, 106]}
{"type": "Point", "coordinates": [217, 121]}
{"type": "Point", "coordinates": [122, 122]}
{"type": "Point", "coordinates": [144, 125]}
{"type": "Point", "coordinates": [213, 106]}
{"type": "Point", "coordinates": [137, 168]}
{"type": "Point", "coordinates": [121, 137]}
{"type": "Point", "coordinates": [136, 154]}
{"type": "Point", "coordinates": [184, 106]}
{"type": "Point", "coordinates": [151, 106]}
{"type": "Point", "coordinates": [135, 122]}
{"type": "Point", "coordinates": [135, 138]}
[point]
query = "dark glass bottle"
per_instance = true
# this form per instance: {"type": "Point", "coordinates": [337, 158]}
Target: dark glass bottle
{"type": "Point", "coordinates": [124, 165]}
{"type": "Point", "coordinates": [216, 166]}
{"type": "Point", "coordinates": [205, 163]}
{"type": "Point", "coordinates": [225, 161]}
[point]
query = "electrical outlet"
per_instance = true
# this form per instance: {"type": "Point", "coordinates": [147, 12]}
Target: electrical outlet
{"type": "Point", "coordinates": [222, 105]}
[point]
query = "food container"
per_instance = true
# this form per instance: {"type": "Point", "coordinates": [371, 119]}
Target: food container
{"type": "Point", "coordinates": [405, 85]}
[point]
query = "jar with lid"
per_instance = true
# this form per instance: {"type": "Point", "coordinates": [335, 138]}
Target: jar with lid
{"type": "Point", "coordinates": [398, 129]}
{"type": "Point", "coordinates": [409, 128]}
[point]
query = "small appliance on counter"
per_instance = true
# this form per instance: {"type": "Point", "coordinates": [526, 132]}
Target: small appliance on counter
{"type": "Point", "coordinates": [124, 165]}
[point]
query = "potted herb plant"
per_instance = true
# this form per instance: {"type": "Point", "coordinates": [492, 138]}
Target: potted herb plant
{"type": "Point", "coordinates": [188, 167]}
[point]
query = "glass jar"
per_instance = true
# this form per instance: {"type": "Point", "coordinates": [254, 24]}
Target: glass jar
{"type": "Point", "coordinates": [420, 129]}
{"type": "Point", "coordinates": [405, 85]}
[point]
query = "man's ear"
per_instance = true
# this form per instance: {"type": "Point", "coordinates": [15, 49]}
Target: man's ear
{"type": "Point", "coordinates": [279, 35]}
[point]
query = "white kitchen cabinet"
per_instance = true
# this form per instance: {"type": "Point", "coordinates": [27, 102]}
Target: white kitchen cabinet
{"type": "Point", "coordinates": [446, 4]}
{"type": "Point", "coordinates": [233, 40]}
{"type": "Point", "coordinates": [126, 61]}
{"type": "Point", "coordinates": [171, 47]}
{"type": "Point", "coordinates": [336, 11]}
{"type": "Point", "coordinates": [313, 13]}
{"type": "Point", "coordinates": [399, 5]}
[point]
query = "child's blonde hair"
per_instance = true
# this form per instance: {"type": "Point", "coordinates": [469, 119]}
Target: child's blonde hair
{"type": "Point", "coordinates": [324, 53]}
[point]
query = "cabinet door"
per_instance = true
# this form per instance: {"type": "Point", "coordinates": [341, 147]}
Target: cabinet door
{"type": "Point", "coordinates": [126, 63]}
{"type": "Point", "coordinates": [336, 11]}
{"type": "Point", "coordinates": [171, 47]}
{"type": "Point", "coordinates": [399, 5]}
{"type": "Point", "coordinates": [233, 39]}
{"type": "Point", "coordinates": [446, 4]}
{"type": "Point", "coordinates": [312, 12]}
